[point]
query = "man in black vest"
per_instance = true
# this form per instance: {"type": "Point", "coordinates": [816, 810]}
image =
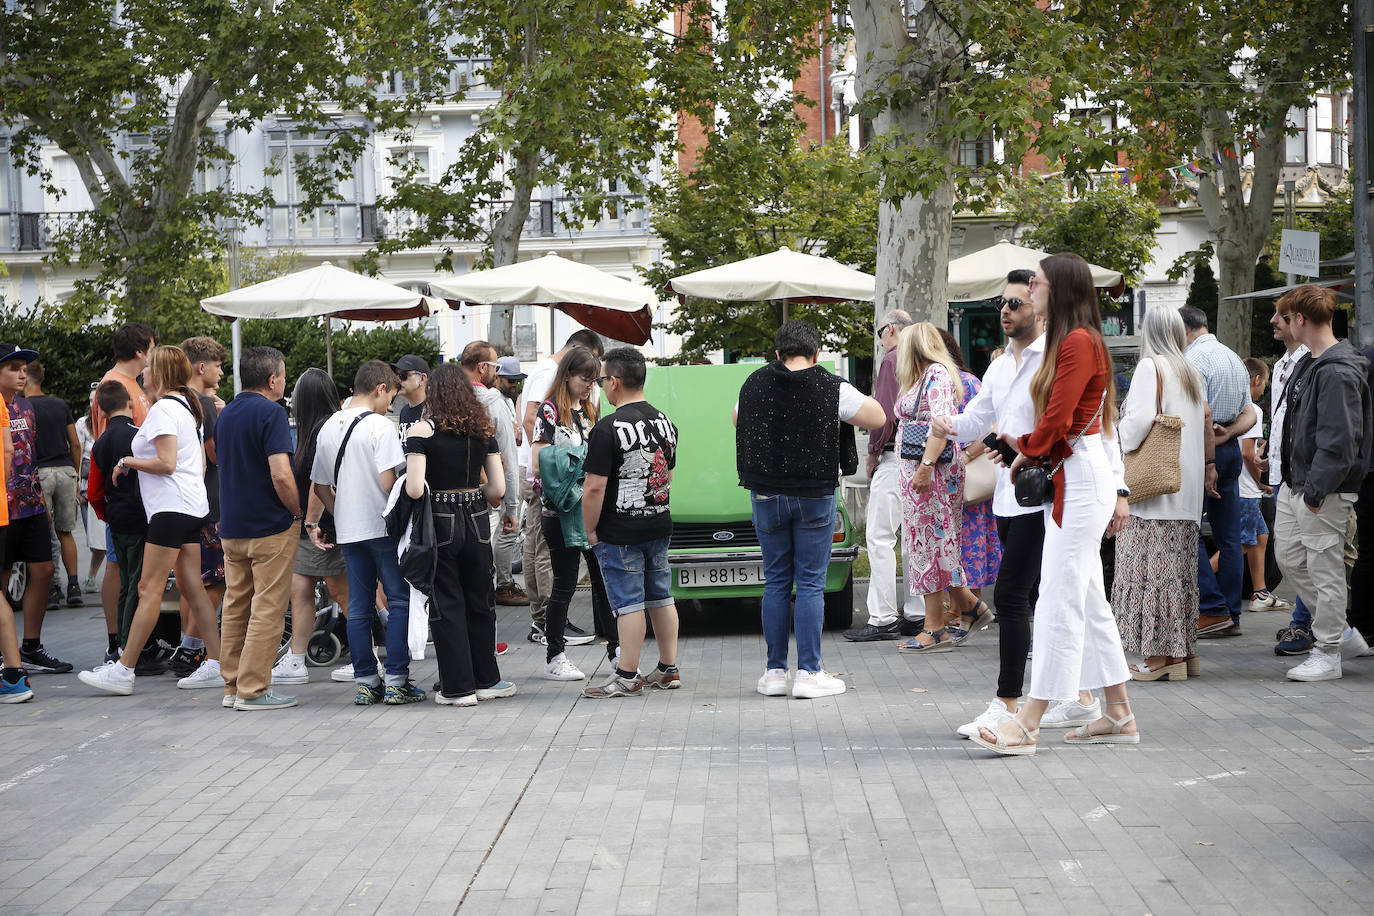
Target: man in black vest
{"type": "Point", "coordinates": [787, 450]}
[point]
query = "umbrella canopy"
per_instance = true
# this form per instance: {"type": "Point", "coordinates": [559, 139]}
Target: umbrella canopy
{"type": "Point", "coordinates": [1336, 283]}
{"type": "Point", "coordinates": [617, 308]}
{"type": "Point", "coordinates": [782, 275]}
{"type": "Point", "coordinates": [983, 274]}
{"type": "Point", "coordinates": [323, 290]}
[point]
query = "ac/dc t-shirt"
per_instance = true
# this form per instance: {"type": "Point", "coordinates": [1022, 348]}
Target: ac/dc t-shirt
{"type": "Point", "coordinates": [634, 448]}
{"type": "Point", "coordinates": [25, 491]}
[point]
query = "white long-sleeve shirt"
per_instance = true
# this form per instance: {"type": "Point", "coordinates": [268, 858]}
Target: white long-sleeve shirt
{"type": "Point", "coordinates": [1004, 403]}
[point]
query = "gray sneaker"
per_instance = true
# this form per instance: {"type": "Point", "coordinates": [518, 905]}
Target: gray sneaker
{"type": "Point", "coordinates": [265, 700]}
{"type": "Point", "coordinates": [616, 687]}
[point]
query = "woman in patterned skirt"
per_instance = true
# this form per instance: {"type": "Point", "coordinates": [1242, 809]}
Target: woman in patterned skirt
{"type": "Point", "coordinates": [932, 485]}
{"type": "Point", "coordinates": [1155, 595]}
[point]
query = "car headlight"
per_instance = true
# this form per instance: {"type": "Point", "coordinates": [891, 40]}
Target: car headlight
{"type": "Point", "coordinates": [838, 536]}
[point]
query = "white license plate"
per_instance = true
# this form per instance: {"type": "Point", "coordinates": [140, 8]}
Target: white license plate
{"type": "Point", "coordinates": [717, 576]}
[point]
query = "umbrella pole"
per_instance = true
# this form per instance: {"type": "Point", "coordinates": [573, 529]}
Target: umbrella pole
{"type": "Point", "coordinates": [236, 339]}
{"type": "Point", "coordinates": [329, 345]}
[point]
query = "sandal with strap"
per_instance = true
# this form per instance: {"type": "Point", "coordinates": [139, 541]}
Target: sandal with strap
{"type": "Point", "coordinates": [914, 647]}
{"type": "Point", "coordinates": [971, 621]}
{"type": "Point", "coordinates": [1025, 749]}
{"type": "Point", "coordinates": [1084, 735]}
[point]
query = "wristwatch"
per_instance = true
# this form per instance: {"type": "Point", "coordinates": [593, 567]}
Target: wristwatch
{"type": "Point", "coordinates": [311, 526]}
{"type": "Point", "coordinates": [927, 463]}
{"type": "Point", "coordinates": [120, 464]}
{"type": "Point", "coordinates": [1123, 492]}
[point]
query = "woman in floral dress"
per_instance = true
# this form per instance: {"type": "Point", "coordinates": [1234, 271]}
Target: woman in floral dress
{"type": "Point", "coordinates": [932, 484]}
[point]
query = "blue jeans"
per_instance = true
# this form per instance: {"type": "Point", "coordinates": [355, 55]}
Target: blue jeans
{"type": "Point", "coordinates": [637, 576]}
{"type": "Point", "coordinates": [795, 534]}
{"type": "Point", "coordinates": [1302, 616]}
{"type": "Point", "coordinates": [368, 561]}
{"type": "Point", "coordinates": [1219, 592]}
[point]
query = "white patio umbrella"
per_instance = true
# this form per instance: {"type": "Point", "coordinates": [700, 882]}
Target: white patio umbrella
{"type": "Point", "coordinates": [325, 290]}
{"type": "Point", "coordinates": [785, 275]}
{"type": "Point", "coordinates": [983, 274]}
{"type": "Point", "coordinates": [617, 308]}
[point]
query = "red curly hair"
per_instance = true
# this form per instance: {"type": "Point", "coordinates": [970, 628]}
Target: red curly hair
{"type": "Point", "coordinates": [452, 405]}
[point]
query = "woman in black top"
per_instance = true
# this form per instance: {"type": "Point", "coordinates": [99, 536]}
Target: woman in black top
{"type": "Point", "coordinates": [448, 450]}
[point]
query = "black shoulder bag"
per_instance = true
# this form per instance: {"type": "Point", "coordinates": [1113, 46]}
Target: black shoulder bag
{"type": "Point", "coordinates": [1035, 482]}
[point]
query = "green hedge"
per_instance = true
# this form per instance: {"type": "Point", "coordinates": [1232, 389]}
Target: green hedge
{"type": "Point", "coordinates": [74, 359]}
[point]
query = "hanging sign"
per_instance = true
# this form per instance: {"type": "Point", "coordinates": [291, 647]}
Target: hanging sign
{"type": "Point", "coordinates": [1299, 252]}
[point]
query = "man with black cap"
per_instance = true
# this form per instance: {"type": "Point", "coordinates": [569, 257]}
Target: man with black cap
{"type": "Point", "coordinates": [508, 592]}
{"type": "Point", "coordinates": [26, 536]}
{"type": "Point", "coordinates": [413, 373]}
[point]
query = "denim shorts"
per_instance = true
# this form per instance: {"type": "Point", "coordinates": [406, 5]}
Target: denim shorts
{"type": "Point", "coordinates": [636, 575]}
{"type": "Point", "coordinates": [1251, 522]}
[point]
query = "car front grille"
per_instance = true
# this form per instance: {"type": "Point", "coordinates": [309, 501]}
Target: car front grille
{"type": "Point", "coordinates": [697, 535]}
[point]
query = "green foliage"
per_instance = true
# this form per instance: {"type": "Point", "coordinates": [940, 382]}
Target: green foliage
{"type": "Point", "coordinates": [72, 357]}
{"type": "Point", "coordinates": [1203, 293]}
{"type": "Point", "coordinates": [302, 341]}
{"type": "Point", "coordinates": [585, 89]}
{"type": "Point", "coordinates": [754, 190]}
{"type": "Point", "coordinates": [1110, 225]}
{"type": "Point", "coordinates": [1000, 68]}
{"type": "Point", "coordinates": [1262, 342]}
{"type": "Point", "coordinates": [127, 90]}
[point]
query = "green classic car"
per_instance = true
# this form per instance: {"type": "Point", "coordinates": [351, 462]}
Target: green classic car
{"type": "Point", "coordinates": [715, 552]}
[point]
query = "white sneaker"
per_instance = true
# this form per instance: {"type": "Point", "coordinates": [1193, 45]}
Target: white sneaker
{"type": "Point", "coordinates": [1071, 713]}
{"type": "Point", "coordinates": [990, 718]}
{"type": "Point", "coordinates": [343, 674]}
{"type": "Point", "coordinates": [291, 670]}
{"type": "Point", "coordinates": [1320, 666]}
{"type": "Point", "coordinates": [207, 675]}
{"type": "Point", "coordinates": [107, 679]}
{"type": "Point", "coordinates": [1353, 644]}
{"type": "Point", "coordinates": [773, 683]}
{"type": "Point", "coordinates": [560, 669]}
{"type": "Point", "coordinates": [809, 686]}
{"type": "Point", "coordinates": [1267, 601]}
{"type": "Point", "coordinates": [228, 701]}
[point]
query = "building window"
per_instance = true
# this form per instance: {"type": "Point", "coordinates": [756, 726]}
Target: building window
{"type": "Point", "coordinates": [288, 152]}
{"type": "Point", "coordinates": [975, 153]}
{"type": "Point", "coordinates": [1295, 143]}
{"type": "Point", "coordinates": [1331, 130]}
{"type": "Point", "coordinates": [411, 163]}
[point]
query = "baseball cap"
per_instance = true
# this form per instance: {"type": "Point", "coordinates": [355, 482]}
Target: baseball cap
{"type": "Point", "coordinates": [509, 367]}
{"type": "Point", "coordinates": [411, 363]}
{"type": "Point", "coordinates": [13, 351]}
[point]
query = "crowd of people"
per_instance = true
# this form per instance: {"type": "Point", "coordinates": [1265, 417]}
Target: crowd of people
{"type": "Point", "coordinates": [1011, 481]}
{"type": "Point", "coordinates": [410, 524]}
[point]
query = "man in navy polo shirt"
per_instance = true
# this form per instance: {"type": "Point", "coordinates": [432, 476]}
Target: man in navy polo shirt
{"type": "Point", "coordinates": [260, 511]}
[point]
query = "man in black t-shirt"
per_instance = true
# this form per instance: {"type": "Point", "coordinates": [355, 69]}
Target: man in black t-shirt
{"type": "Point", "coordinates": [414, 375]}
{"type": "Point", "coordinates": [57, 453]}
{"type": "Point", "coordinates": [630, 458]}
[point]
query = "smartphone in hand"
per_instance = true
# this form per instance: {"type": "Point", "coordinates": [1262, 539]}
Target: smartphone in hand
{"type": "Point", "coordinates": [1006, 451]}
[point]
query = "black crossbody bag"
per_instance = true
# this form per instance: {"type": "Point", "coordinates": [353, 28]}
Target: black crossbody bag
{"type": "Point", "coordinates": [1035, 482]}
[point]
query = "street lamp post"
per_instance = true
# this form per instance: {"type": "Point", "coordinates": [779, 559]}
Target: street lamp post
{"type": "Point", "coordinates": [1363, 212]}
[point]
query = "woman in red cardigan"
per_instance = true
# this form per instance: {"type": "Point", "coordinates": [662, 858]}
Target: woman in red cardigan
{"type": "Point", "coordinates": [1077, 644]}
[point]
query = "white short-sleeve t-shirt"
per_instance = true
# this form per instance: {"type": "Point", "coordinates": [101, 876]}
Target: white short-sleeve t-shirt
{"type": "Point", "coordinates": [1246, 485]}
{"type": "Point", "coordinates": [374, 447]}
{"type": "Point", "coordinates": [184, 489]}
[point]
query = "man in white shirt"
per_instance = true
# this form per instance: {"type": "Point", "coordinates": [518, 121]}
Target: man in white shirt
{"type": "Point", "coordinates": [538, 567]}
{"type": "Point", "coordinates": [1296, 639]}
{"type": "Point", "coordinates": [480, 365]}
{"type": "Point", "coordinates": [508, 382]}
{"type": "Point", "coordinates": [356, 458]}
{"type": "Point", "coordinates": [1004, 404]}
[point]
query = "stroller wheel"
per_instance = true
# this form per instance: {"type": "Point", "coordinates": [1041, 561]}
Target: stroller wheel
{"type": "Point", "coordinates": [324, 649]}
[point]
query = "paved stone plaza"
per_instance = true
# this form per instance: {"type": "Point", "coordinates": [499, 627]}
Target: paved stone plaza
{"type": "Point", "coordinates": [1249, 794]}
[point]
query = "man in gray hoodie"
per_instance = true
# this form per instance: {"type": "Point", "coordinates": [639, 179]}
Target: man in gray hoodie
{"type": "Point", "coordinates": [1328, 438]}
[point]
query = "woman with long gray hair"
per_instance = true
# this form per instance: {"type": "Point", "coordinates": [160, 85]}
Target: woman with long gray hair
{"type": "Point", "coordinates": [1155, 595]}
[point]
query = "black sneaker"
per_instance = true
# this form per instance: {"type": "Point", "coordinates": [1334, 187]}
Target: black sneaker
{"type": "Point", "coordinates": [573, 635]}
{"type": "Point", "coordinates": [74, 597]}
{"type": "Point", "coordinates": [54, 597]}
{"type": "Point", "coordinates": [911, 627]}
{"type": "Point", "coordinates": [184, 662]}
{"type": "Point", "coordinates": [536, 635]}
{"type": "Point", "coordinates": [39, 660]}
{"type": "Point", "coordinates": [149, 665]}
{"type": "Point", "coordinates": [401, 694]}
{"type": "Point", "coordinates": [871, 633]}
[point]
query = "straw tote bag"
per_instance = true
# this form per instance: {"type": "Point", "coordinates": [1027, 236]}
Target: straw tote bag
{"type": "Point", "coordinates": [1153, 469]}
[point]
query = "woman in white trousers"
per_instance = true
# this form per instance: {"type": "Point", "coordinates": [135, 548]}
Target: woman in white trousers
{"type": "Point", "coordinates": [1077, 644]}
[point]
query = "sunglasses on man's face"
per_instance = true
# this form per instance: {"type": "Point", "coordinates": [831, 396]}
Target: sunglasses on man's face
{"type": "Point", "coordinates": [1011, 302]}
